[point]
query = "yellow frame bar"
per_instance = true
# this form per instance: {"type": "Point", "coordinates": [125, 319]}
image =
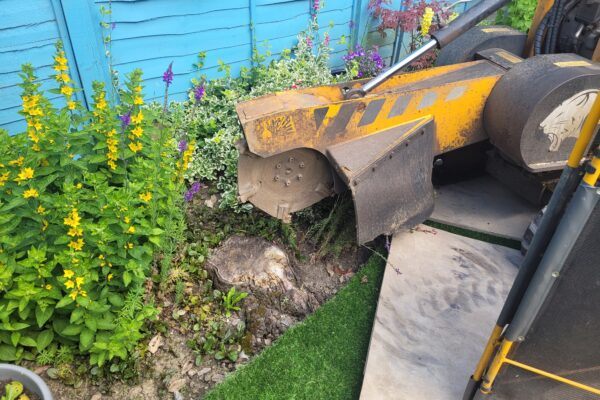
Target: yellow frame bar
{"type": "Point", "coordinates": [501, 358]}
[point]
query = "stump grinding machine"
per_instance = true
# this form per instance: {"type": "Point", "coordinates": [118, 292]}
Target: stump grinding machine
{"type": "Point", "coordinates": [380, 137]}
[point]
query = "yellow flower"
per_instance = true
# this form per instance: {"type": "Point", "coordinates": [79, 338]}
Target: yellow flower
{"type": "Point", "coordinates": [29, 193]}
{"type": "Point", "coordinates": [112, 164]}
{"type": "Point", "coordinates": [79, 185]}
{"type": "Point", "coordinates": [60, 60]}
{"type": "Point", "coordinates": [83, 293]}
{"type": "Point", "coordinates": [40, 209]}
{"type": "Point", "coordinates": [19, 161]}
{"type": "Point", "coordinates": [66, 90]}
{"type": "Point", "coordinates": [129, 245]}
{"type": "Point", "coordinates": [101, 256]}
{"type": "Point", "coordinates": [135, 146]}
{"type": "Point", "coordinates": [67, 273]}
{"type": "Point", "coordinates": [63, 77]}
{"type": "Point", "coordinates": [127, 220]}
{"type": "Point", "coordinates": [44, 225]}
{"type": "Point", "coordinates": [137, 89]}
{"type": "Point", "coordinates": [69, 284]}
{"type": "Point", "coordinates": [26, 173]}
{"type": "Point", "coordinates": [73, 219]}
{"type": "Point", "coordinates": [4, 178]}
{"type": "Point", "coordinates": [426, 21]}
{"type": "Point", "coordinates": [101, 104]}
{"type": "Point", "coordinates": [76, 245]}
{"type": "Point", "coordinates": [137, 119]}
{"type": "Point", "coordinates": [111, 133]}
{"type": "Point", "coordinates": [48, 287]}
{"type": "Point", "coordinates": [36, 147]}
{"type": "Point", "coordinates": [146, 197]}
{"type": "Point", "coordinates": [75, 232]}
{"type": "Point", "coordinates": [131, 229]}
{"type": "Point", "coordinates": [138, 100]}
{"type": "Point", "coordinates": [71, 105]}
{"type": "Point", "coordinates": [79, 281]}
{"type": "Point", "coordinates": [137, 131]}
{"type": "Point", "coordinates": [109, 277]}
{"type": "Point", "coordinates": [73, 294]}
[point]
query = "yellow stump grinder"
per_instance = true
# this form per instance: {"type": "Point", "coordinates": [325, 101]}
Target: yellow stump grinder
{"type": "Point", "coordinates": [380, 137]}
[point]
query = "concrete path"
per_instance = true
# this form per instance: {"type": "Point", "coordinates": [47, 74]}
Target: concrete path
{"type": "Point", "coordinates": [483, 205]}
{"type": "Point", "coordinates": [440, 297]}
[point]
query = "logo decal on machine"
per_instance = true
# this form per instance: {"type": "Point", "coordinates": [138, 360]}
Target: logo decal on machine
{"type": "Point", "coordinates": [567, 119]}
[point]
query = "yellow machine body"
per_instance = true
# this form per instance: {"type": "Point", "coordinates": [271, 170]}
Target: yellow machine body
{"type": "Point", "coordinates": [319, 117]}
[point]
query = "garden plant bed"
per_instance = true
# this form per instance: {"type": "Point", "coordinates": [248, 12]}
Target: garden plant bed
{"type": "Point", "coordinates": [175, 360]}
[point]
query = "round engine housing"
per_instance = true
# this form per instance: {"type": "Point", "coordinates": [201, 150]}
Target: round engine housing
{"type": "Point", "coordinates": [535, 112]}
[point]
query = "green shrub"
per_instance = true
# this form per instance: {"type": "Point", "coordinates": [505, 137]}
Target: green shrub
{"type": "Point", "coordinates": [518, 14]}
{"type": "Point", "coordinates": [87, 199]}
{"type": "Point", "coordinates": [210, 118]}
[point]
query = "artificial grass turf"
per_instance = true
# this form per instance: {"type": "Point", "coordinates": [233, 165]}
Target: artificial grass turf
{"type": "Point", "coordinates": [321, 358]}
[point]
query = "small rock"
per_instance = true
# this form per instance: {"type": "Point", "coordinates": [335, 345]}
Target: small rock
{"type": "Point", "coordinates": [268, 342]}
{"type": "Point", "coordinates": [97, 396]}
{"type": "Point", "coordinates": [176, 384]}
{"type": "Point", "coordinates": [155, 344]}
{"type": "Point", "coordinates": [210, 203]}
{"type": "Point", "coordinates": [192, 372]}
{"type": "Point", "coordinates": [187, 367]}
{"type": "Point", "coordinates": [178, 396]}
{"type": "Point", "coordinates": [364, 279]}
{"type": "Point", "coordinates": [243, 356]}
{"type": "Point", "coordinates": [41, 370]}
{"type": "Point", "coordinates": [217, 378]}
{"type": "Point", "coordinates": [204, 371]}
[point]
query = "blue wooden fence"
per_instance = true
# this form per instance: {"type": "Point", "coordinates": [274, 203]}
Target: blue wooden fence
{"type": "Point", "coordinates": [149, 34]}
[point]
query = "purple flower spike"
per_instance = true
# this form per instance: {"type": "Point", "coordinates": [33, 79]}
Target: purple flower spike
{"type": "Point", "coordinates": [125, 119]}
{"type": "Point", "coordinates": [309, 42]}
{"type": "Point", "coordinates": [182, 145]}
{"type": "Point", "coordinates": [113, 25]}
{"type": "Point", "coordinates": [199, 92]}
{"type": "Point", "coordinates": [168, 75]}
{"type": "Point", "coordinates": [316, 5]}
{"type": "Point", "coordinates": [192, 191]}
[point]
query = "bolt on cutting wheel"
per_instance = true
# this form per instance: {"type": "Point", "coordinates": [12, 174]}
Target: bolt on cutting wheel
{"type": "Point", "coordinates": [284, 183]}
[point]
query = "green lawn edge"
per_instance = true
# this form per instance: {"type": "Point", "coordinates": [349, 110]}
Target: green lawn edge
{"type": "Point", "coordinates": [321, 358]}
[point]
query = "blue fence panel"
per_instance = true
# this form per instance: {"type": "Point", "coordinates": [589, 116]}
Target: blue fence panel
{"type": "Point", "coordinates": [150, 34]}
{"type": "Point", "coordinates": [28, 33]}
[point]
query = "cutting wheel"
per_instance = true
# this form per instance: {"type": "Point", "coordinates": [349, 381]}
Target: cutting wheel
{"type": "Point", "coordinates": [286, 182]}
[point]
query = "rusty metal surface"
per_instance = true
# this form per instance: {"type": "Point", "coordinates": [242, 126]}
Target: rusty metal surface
{"type": "Point", "coordinates": [389, 174]}
{"type": "Point", "coordinates": [284, 183]}
{"type": "Point", "coordinates": [319, 117]}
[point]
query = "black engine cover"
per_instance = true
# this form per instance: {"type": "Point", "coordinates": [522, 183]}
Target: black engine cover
{"type": "Point", "coordinates": [535, 112]}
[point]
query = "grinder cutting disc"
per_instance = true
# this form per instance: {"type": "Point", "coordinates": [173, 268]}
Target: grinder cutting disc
{"type": "Point", "coordinates": [286, 182]}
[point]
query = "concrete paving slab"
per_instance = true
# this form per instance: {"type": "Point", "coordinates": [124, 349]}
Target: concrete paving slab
{"type": "Point", "coordinates": [440, 296]}
{"type": "Point", "coordinates": [484, 205]}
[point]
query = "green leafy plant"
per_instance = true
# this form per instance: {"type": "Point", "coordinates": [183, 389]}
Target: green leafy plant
{"type": "Point", "coordinates": [518, 14]}
{"type": "Point", "coordinates": [209, 116]}
{"type": "Point", "coordinates": [87, 201]}
{"type": "Point", "coordinates": [14, 391]}
{"type": "Point", "coordinates": [231, 299]}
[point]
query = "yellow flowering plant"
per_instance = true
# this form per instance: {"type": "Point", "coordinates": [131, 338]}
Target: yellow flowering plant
{"type": "Point", "coordinates": [88, 199]}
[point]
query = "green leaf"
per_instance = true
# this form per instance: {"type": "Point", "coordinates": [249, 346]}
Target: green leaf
{"type": "Point", "coordinates": [8, 353]}
{"type": "Point", "coordinates": [72, 330]}
{"type": "Point", "coordinates": [14, 338]}
{"type": "Point", "coordinates": [43, 314]}
{"type": "Point", "coordinates": [126, 278]}
{"type": "Point", "coordinates": [86, 338]}
{"type": "Point", "coordinates": [27, 341]}
{"type": "Point", "coordinates": [91, 324]}
{"type": "Point", "coordinates": [115, 299]}
{"type": "Point", "coordinates": [44, 339]}
{"type": "Point", "coordinates": [65, 301]}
